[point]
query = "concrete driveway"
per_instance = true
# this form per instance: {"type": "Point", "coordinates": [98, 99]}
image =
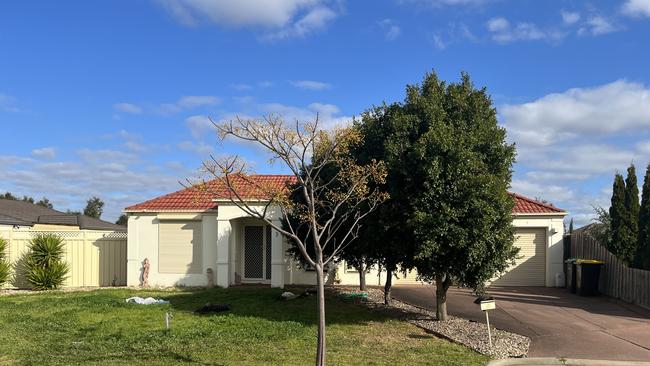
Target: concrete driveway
{"type": "Point", "coordinates": [559, 323]}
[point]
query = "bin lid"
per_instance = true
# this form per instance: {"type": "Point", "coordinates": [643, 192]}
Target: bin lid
{"type": "Point", "coordinates": [570, 260]}
{"type": "Point", "coordinates": [589, 261]}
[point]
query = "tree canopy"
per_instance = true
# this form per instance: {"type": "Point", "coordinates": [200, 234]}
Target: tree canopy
{"type": "Point", "coordinates": [94, 207]}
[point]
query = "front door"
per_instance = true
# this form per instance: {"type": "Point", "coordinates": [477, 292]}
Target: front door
{"type": "Point", "coordinates": [257, 254]}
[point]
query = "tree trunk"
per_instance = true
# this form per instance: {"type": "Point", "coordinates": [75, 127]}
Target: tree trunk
{"type": "Point", "coordinates": [442, 285]}
{"type": "Point", "coordinates": [388, 286]}
{"type": "Point", "coordinates": [362, 276]}
{"type": "Point", "coordinates": [320, 293]}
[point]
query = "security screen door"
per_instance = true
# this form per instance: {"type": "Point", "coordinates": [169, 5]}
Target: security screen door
{"type": "Point", "coordinates": [257, 253]}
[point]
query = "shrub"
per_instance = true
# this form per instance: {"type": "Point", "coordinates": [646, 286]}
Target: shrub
{"type": "Point", "coordinates": [5, 267]}
{"type": "Point", "coordinates": [45, 268]}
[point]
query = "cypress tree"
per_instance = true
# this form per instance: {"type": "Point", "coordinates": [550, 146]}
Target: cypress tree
{"type": "Point", "coordinates": [617, 216]}
{"type": "Point", "coordinates": [642, 257]}
{"type": "Point", "coordinates": [631, 215]}
{"type": "Point", "coordinates": [571, 226]}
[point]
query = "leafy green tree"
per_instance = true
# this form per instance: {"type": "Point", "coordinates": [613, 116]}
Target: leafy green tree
{"type": "Point", "coordinates": [449, 213]}
{"type": "Point", "coordinates": [122, 220]}
{"type": "Point", "coordinates": [45, 203]}
{"type": "Point", "coordinates": [617, 213]}
{"type": "Point", "coordinates": [94, 207]}
{"type": "Point", "coordinates": [631, 215]}
{"type": "Point", "coordinates": [8, 196]}
{"type": "Point", "coordinates": [389, 135]}
{"type": "Point", "coordinates": [601, 228]}
{"type": "Point", "coordinates": [642, 256]}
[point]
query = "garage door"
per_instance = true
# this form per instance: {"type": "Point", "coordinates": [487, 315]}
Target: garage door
{"type": "Point", "coordinates": [530, 267]}
{"type": "Point", "coordinates": [179, 247]}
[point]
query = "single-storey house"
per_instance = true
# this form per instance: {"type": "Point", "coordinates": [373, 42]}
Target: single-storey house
{"type": "Point", "coordinates": [193, 238]}
{"type": "Point", "coordinates": [23, 215]}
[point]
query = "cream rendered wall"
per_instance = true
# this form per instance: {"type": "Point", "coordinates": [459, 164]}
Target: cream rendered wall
{"type": "Point", "coordinates": [143, 243]}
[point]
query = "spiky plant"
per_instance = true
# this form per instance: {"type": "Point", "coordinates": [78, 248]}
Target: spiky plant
{"type": "Point", "coordinates": [5, 267]}
{"type": "Point", "coordinates": [45, 268]}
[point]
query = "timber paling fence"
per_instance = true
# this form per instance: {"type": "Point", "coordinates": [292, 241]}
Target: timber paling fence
{"type": "Point", "coordinates": [617, 280]}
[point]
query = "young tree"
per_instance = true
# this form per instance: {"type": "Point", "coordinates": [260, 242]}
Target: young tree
{"type": "Point", "coordinates": [601, 228]}
{"type": "Point", "coordinates": [571, 226]}
{"type": "Point", "coordinates": [356, 254]}
{"type": "Point", "coordinates": [642, 256]}
{"type": "Point", "coordinates": [45, 203]}
{"type": "Point", "coordinates": [618, 214]}
{"type": "Point", "coordinates": [331, 213]}
{"type": "Point", "coordinates": [462, 168]}
{"type": "Point", "coordinates": [631, 214]}
{"type": "Point", "coordinates": [94, 207]}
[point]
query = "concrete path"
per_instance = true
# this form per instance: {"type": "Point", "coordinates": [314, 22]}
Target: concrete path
{"type": "Point", "coordinates": [559, 323]}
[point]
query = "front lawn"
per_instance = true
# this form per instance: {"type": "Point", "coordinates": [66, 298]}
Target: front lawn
{"type": "Point", "coordinates": [98, 327]}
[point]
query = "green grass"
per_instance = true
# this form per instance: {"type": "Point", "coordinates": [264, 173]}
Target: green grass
{"type": "Point", "coordinates": [98, 327]}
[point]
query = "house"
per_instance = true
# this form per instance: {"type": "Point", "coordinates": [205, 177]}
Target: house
{"type": "Point", "coordinates": [192, 238]}
{"type": "Point", "coordinates": [95, 250]}
{"type": "Point", "coordinates": [25, 215]}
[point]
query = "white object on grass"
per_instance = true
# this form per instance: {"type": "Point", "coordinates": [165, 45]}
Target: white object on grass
{"type": "Point", "coordinates": [147, 301]}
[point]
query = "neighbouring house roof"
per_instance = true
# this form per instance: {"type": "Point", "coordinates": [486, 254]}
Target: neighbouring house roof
{"type": "Point", "coordinates": [27, 214]}
{"type": "Point", "coordinates": [199, 199]}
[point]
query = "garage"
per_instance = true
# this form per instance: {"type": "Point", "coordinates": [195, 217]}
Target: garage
{"type": "Point", "coordinates": [530, 266]}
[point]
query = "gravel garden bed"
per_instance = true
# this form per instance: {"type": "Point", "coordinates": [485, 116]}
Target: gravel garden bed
{"type": "Point", "coordinates": [468, 333]}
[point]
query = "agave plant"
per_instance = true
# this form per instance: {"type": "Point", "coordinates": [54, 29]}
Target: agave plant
{"type": "Point", "coordinates": [45, 268]}
{"type": "Point", "coordinates": [5, 267]}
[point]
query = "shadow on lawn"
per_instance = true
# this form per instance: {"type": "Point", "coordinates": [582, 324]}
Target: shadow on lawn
{"type": "Point", "coordinates": [264, 302]}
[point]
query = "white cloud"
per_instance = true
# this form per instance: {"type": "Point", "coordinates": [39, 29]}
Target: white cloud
{"type": "Point", "coordinates": [45, 152]}
{"type": "Point", "coordinates": [8, 103]}
{"type": "Point", "coordinates": [503, 32]}
{"type": "Point", "coordinates": [316, 19]}
{"type": "Point", "coordinates": [241, 87]}
{"type": "Point", "coordinates": [637, 8]}
{"type": "Point", "coordinates": [438, 42]}
{"type": "Point", "coordinates": [569, 144]}
{"type": "Point", "coordinates": [597, 25]}
{"type": "Point", "coordinates": [291, 18]}
{"type": "Point", "coordinates": [391, 30]}
{"type": "Point", "coordinates": [570, 17]}
{"type": "Point", "coordinates": [127, 108]}
{"type": "Point", "coordinates": [188, 102]}
{"type": "Point", "coordinates": [615, 107]}
{"type": "Point", "coordinates": [199, 125]}
{"type": "Point", "coordinates": [442, 3]}
{"type": "Point", "coordinates": [311, 84]}
{"type": "Point", "coordinates": [199, 148]}
{"type": "Point", "coordinates": [194, 101]}
{"type": "Point", "coordinates": [117, 177]}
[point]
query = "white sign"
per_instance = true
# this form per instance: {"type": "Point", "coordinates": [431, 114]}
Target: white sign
{"type": "Point", "coordinates": [488, 305]}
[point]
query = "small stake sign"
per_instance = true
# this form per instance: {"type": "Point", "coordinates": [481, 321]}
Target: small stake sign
{"type": "Point", "coordinates": [486, 306]}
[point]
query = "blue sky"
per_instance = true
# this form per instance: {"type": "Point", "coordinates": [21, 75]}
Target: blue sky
{"type": "Point", "coordinates": [112, 98]}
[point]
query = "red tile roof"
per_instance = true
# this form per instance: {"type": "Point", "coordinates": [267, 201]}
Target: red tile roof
{"type": "Point", "coordinates": [525, 205]}
{"type": "Point", "coordinates": [198, 198]}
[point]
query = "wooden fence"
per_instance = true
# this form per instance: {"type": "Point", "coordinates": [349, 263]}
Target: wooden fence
{"type": "Point", "coordinates": [616, 279]}
{"type": "Point", "coordinates": [96, 258]}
